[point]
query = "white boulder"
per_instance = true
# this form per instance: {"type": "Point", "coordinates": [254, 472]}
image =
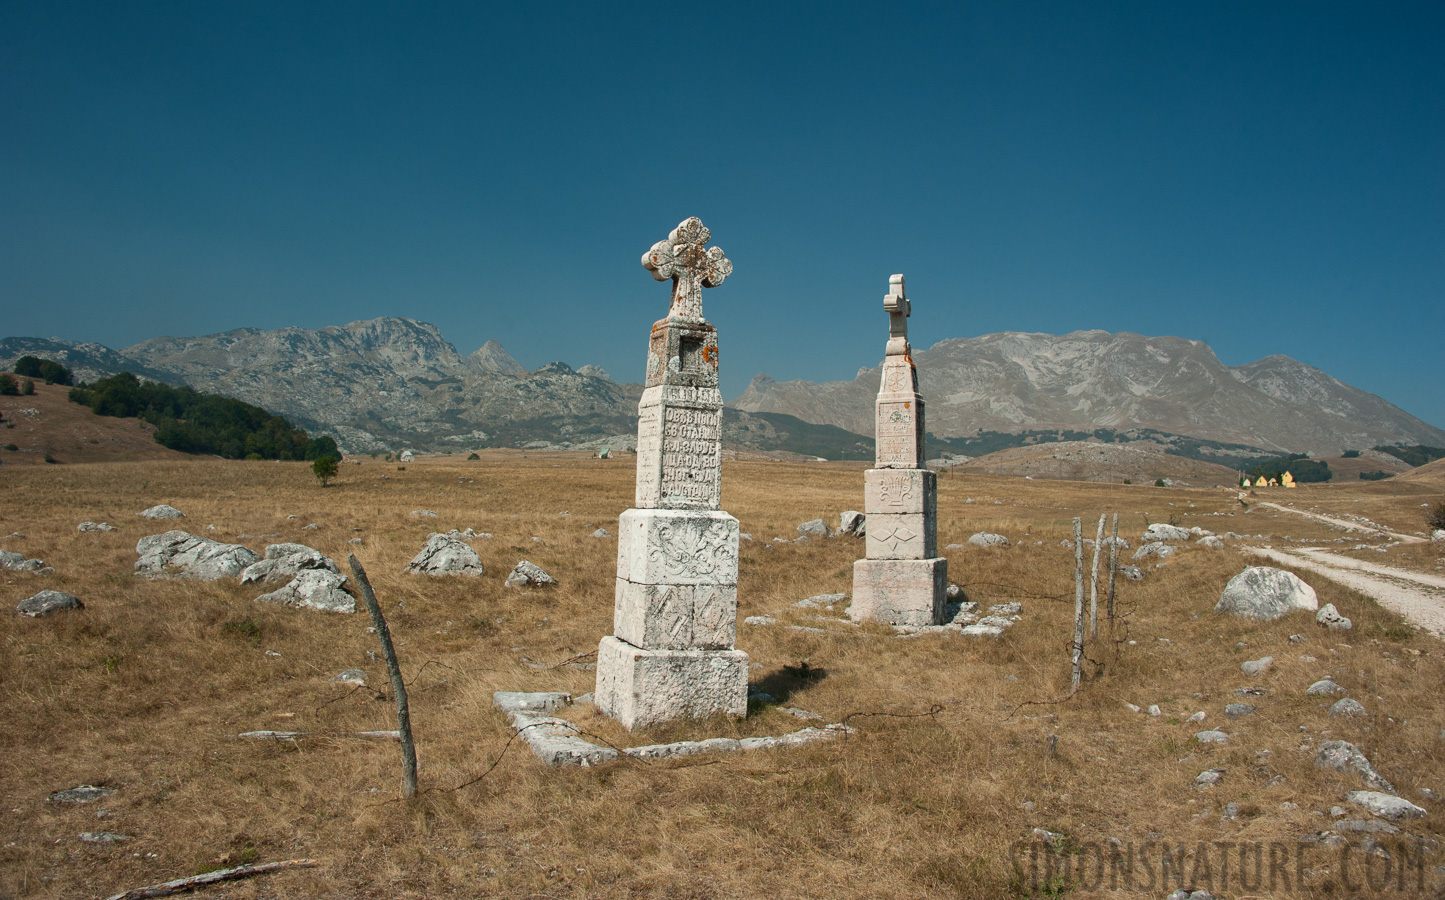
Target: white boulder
{"type": "Point", "coordinates": [988, 539]}
{"type": "Point", "coordinates": [162, 511]}
{"type": "Point", "coordinates": [445, 555]}
{"type": "Point", "coordinates": [177, 552]}
{"type": "Point", "coordinates": [526, 573]}
{"type": "Point", "coordinates": [1330, 617]}
{"type": "Point", "coordinates": [1264, 593]}
{"type": "Point", "coordinates": [284, 561]}
{"type": "Point", "coordinates": [1154, 548]}
{"type": "Point", "coordinates": [1386, 806]}
{"type": "Point", "coordinates": [1161, 531]}
{"type": "Point", "coordinates": [313, 589]}
{"type": "Point", "coordinates": [852, 522]}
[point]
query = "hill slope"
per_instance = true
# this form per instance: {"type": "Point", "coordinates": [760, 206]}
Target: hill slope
{"type": "Point", "coordinates": [47, 423]}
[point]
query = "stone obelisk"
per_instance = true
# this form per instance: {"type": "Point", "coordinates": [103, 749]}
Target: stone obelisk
{"type": "Point", "coordinates": [903, 581]}
{"type": "Point", "coordinates": [675, 616]}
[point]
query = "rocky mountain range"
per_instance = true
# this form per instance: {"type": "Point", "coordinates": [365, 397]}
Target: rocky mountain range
{"type": "Point", "coordinates": [389, 383]}
{"type": "Point", "coordinates": [1093, 379]}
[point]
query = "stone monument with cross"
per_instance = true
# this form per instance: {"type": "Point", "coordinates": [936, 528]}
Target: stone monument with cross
{"type": "Point", "coordinates": [902, 581]}
{"type": "Point", "coordinates": [674, 621]}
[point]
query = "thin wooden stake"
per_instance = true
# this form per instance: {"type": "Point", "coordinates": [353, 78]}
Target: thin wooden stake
{"type": "Point", "coordinates": [165, 889]}
{"type": "Point", "coordinates": [1113, 569]}
{"type": "Point", "coordinates": [398, 687]}
{"type": "Point", "coordinates": [1094, 582]}
{"type": "Point", "coordinates": [1078, 601]}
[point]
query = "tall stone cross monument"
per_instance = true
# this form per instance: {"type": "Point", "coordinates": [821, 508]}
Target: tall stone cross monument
{"type": "Point", "coordinates": [675, 614]}
{"type": "Point", "coordinates": [902, 581]}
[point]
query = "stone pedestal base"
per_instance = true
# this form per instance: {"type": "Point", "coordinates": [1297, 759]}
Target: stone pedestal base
{"type": "Point", "coordinates": [645, 687]}
{"type": "Point", "coordinates": [899, 591]}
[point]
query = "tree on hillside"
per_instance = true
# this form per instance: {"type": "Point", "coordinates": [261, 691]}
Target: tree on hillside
{"type": "Point", "coordinates": [324, 468]}
{"type": "Point", "coordinates": [48, 369]}
{"type": "Point", "coordinates": [8, 386]}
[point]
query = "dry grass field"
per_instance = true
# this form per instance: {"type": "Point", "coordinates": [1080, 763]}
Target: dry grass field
{"type": "Point", "coordinates": [962, 747]}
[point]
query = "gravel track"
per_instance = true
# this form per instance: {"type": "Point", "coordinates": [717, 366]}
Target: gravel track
{"type": "Point", "coordinates": [1416, 596]}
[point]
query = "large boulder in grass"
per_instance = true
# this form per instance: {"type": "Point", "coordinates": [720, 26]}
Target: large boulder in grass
{"type": "Point", "coordinates": [445, 555]}
{"type": "Point", "coordinates": [313, 589]}
{"type": "Point", "coordinates": [527, 574]}
{"type": "Point", "coordinates": [1264, 593]}
{"type": "Point", "coordinates": [283, 561]}
{"type": "Point", "coordinates": [177, 552]}
{"type": "Point", "coordinates": [47, 603]}
{"type": "Point", "coordinates": [1161, 531]}
{"type": "Point", "coordinates": [162, 511]}
{"type": "Point", "coordinates": [852, 522]}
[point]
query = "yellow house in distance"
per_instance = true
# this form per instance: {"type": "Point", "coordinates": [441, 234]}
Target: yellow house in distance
{"type": "Point", "coordinates": [1287, 480]}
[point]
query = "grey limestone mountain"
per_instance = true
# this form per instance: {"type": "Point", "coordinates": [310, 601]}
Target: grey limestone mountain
{"type": "Point", "coordinates": [1094, 379]}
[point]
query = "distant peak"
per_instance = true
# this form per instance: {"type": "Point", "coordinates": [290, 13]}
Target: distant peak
{"type": "Point", "coordinates": [592, 371]}
{"type": "Point", "coordinates": [490, 357]}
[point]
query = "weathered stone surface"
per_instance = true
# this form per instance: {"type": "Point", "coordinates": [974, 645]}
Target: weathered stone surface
{"type": "Point", "coordinates": [1160, 531]}
{"type": "Point", "coordinates": [349, 676]}
{"type": "Point", "coordinates": [47, 603]}
{"type": "Point", "coordinates": [1237, 710]}
{"type": "Point", "coordinates": [814, 528]}
{"type": "Point", "coordinates": [193, 557]}
{"type": "Point", "coordinates": [1330, 617]}
{"type": "Point", "coordinates": [902, 536]}
{"type": "Point", "coordinates": [1133, 573]}
{"type": "Point", "coordinates": [676, 616]}
{"type": "Point", "coordinates": [406, 456]}
{"type": "Point", "coordinates": [900, 491]}
{"type": "Point", "coordinates": [1257, 666]}
{"type": "Point", "coordinates": [600, 533]}
{"type": "Point", "coordinates": [1386, 806]}
{"type": "Point", "coordinates": [1157, 548]}
{"type": "Point", "coordinates": [899, 591]}
{"type": "Point", "coordinates": [1342, 756]}
{"type": "Point", "coordinates": [644, 687]}
{"type": "Point", "coordinates": [313, 589]}
{"type": "Point", "coordinates": [665, 546]}
{"type": "Point", "coordinates": [102, 837]}
{"type": "Point", "coordinates": [852, 522]}
{"type": "Point", "coordinates": [16, 562]}
{"type": "Point", "coordinates": [162, 511]}
{"type": "Point", "coordinates": [988, 539]}
{"type": "Point", "coordinates": [1211, 737]}
{"type": "Point", "coordinates": [526, 574]}
{"type": "Point", "coordinates": [444, 555]}
{"type": "Point", "coordinates": [1347, 707]}
{"type": "Point", "coordinates": [85, 793]}
{"type": "Point", "coordinates": [283, 561]}
{"type": "Point", "coordinates": [1264, 593]}
{"type": "Point", "coordinates": [1210, 541]}
{"type": "Point", "coordinates": [424, 513]}
{"type": "Point", "coordinates": [1323, 687]}
{"type": "Point", "coordinates": [94, 526]}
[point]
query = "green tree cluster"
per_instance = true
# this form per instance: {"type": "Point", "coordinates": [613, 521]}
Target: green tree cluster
{"type": "Point", "coordinates": [49, 370]}
{"type": "Point", "coordinates": [1417, 455]}
{"type": "Point", "coordinates": [1299, 465]}
{"type": "Point", "coordinates": [194, 422]}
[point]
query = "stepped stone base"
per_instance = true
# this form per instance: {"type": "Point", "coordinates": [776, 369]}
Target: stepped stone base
{"type": "Point", "coordinates": [899, 591]}
{"type": "Point", "coordinates": [645, 687]}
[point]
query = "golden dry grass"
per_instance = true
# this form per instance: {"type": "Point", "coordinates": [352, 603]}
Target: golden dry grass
{"type": "Point", "coordinates": [144, 689]}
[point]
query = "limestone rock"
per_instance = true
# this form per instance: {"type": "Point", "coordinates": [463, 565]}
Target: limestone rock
{"type": "Point", "coordinates": [17, 562]}
{"type": "Point", "coordinates": [1211, 737]}
{"type": "Point", "coordinates": [600, 533]}
{"type": "Point", "coordinates": [349, 676]}
{"type": "Point", "coordinates": [313, 589]}
{"type": "Point", "coordinates": [1386, 806]}
{"type": "Point", "coordinates": [1264, 593]}
{"type": "Point", "coordinates": [814, 528]}
{"type": "Point", "coordinates": [525, 573]}
{"type": "Point", "coordinates": [85, 793]}
{"type": "Point", "coordinates": [1156, 548]}
{"type": "Point", "coordinates": [852, 522]}
{"type": "Point", "coordinates": [282, 561]}
{"type": "Point", "coordinates": [1133, 573]}
{"type": "Point", "coordinates": [94, 526]}
{"type": "Point", "coordinates": [424, 513]}
{"type": "Point", "coordinates": [1237, 710]}
{"type": "Point", "coordinates": [46, 603]}
{"type": "Point", "coordinates": [162, 511]}
{"type": "Point", "coordinates": [1209, 541]}
{"type": "Point", "coordinates": [1324, 686]}
{"type": "Point", "coordinates": [444, 555]}
{"type": "Point", "coordinates": [1342, 756]}
{"type": "Point", "coordinates": [1330, 617]}
{"type": "Point", "coordinates": [1438, 534]}
{"type": "Point", "coordinates": [1211, 776]}
{"type": "Point", "coordinates": [988, 539]}
{"type": "Point", "coordinates": [191, 557]}
{"type": "Point", "coordinates": [1160, 531]}
{"type": "Point", "coordinates": [1257, 666]}
{"type": "Point", "coordinates": [102, 837]}
{"type": "Point", "coordinates": [1347, 707]}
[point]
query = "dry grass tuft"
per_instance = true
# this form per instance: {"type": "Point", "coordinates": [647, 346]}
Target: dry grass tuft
{"type": "Point", "coordinates": [144, 689]}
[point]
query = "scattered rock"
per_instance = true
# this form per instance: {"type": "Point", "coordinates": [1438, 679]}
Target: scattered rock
{"type": "Point", "coordinates": [988, 539]}
{"type": "Point", "coordinates": [1160, 531]}
{"type": "Point", "coordinates": [424, 513]}
{"type": "Point", "coordinates": [17, 562]}
{"type": "Point", "coordinates": [94, 526]}
{"type": "Point", "coordinates": [852, 522]}
{"type": "Point", "coordinates": [102, 837]}
{"type": "Point", "coordinates": [1264, 593]}
{"type": "Point", "coordinates": [47, 603]}
{"type": "Point", "coordinates": [1052, 838]}
{"type": "Point", "coordinates": [953, 593]}
{"type": "Point", "coordinates": [1133, 573]}
{"type": "Point", "coordinates": [1257, 666]}
{"type": "Point", "coordinates": [283, 561]}
{"type": "Point", "coordinates": [1211, 737]}
{"type": "Point", "coordinates": [1342, 756]}
{"type": "Point", "coordinates": [1330, 617]}
{"type": "Point", "coordinates": [1011, 608]}
{"type": "Point", "coordinates": [191, 557]}
{"type": "Point", "coordinates": [350, 676]}
{"type": "Point", "coordinates": [85, 793]}
{"type": "Point", "coordinates": [1210, 541]}
{"type": "Point", "coordinates": [814, 528]}
{"type": "Point", "coordinates": [1237, 710]}
{"type": "Point", "coordinates": [1347, 707]}
{"type": "Point", "coordinates": [757, 621]}
{"type": "Point", "coordinates": [1386, 806]}
{"type": "Point", "coordinates": [406, 456]}
{"type": "Point", "coordinates": [1323, 687]}
{"type": "Point", "coordinates": [600, 533]}
{"type": "Point", "coordinates": [445, 555]}
{"type": "Point", "coordinates": [313, 589]}
{"type": "Point", "coordinates": [1157, 548]}
{"type": "Point", "coordinates": [1155, 711]}
{"type": "Point", "coordinates": [525, 573]}
{"type": "Point", "coordinates": [1197, 717]}
{"type": "Point", "coordinates": [821, 601]}
{"type": "Point", "coordinates": [162, 511]}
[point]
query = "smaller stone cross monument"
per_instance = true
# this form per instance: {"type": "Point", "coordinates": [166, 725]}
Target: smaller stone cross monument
{"type": "Point", "coordinates": [902, 581]}
{"type": "Point", "coordinates": [675, 614]}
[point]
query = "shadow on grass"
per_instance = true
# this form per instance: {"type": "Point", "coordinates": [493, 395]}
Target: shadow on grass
{"type": "Point", "coordinates": [782, 683]}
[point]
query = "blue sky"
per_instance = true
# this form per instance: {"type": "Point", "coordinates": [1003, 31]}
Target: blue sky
{"type": "Point", "coordinates": [1267, 178]}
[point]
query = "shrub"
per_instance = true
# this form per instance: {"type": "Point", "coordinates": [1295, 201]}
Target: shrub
{"type": "Point", "coordinates": [49, 370]}
{"type": "Point", "coordinates": [8, 386]}
{"type": "Point", "coordinates": [1350, 454]}
{"type": "Point", "coordinates": [1159, 482]}
{"type": "Point", "coordinates": [1374, 476]}
{"type": "Point", "coordinates": [50, 459]}
{"type": "Point", "coordinates": [1435, 516]}
{"type": "Point", "coordinates": [472, 456]}
{"type": "Point", "coordinates": [324, 468]}
{"type": "Point", "coordinates": [27, 387]}
{"type": "Point", "coordinates": [11, 447]}
{"type": "Point", "coordinates": [1128, 481]}
{"type": "Point", "coordinates": [1418, 455]}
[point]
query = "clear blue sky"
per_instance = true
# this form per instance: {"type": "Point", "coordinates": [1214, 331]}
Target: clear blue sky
{"type": "Point", "coordinates": [1265, 177]}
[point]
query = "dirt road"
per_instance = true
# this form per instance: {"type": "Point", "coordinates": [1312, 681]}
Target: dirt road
{"type": "Point", "coordinates": [1415, 595]}
{"type": "Point", "coordinates": [1345, 523]}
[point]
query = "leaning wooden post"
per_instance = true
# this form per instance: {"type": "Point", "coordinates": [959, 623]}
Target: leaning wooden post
{"type": "Point", "coordinates": [1113, 569]}
{"type": "Point", "coordinates": [1094, 582]}
{"type": "Point", "coordinates": [1078, 601]}
{"type": "Point", "coordinates": [398, 687]}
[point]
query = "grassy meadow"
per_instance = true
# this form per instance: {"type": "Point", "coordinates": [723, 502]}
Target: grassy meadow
{"type": "Point", "coordinates": [962, 747]}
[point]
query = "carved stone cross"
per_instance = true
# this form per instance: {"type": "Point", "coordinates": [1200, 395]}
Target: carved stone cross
{"type": "Point", "coordinates": [898, 309]}
{"type": "Point", "coordinates": [682, 258]}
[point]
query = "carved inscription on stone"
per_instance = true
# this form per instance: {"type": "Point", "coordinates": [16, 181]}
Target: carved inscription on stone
{"type": "Point", "coordinates": [692, 456]}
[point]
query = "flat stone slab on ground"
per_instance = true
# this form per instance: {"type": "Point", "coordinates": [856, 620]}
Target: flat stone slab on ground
{"type": "Point", "coordinates": [48, 603]}
{"type": "Point", "coordinates": [1386, 806]}
{"type": "Point", "coordinates": [176, 552]}
{"type": "Point", "coordinates": [163, 511]}
{"type": "Point", "coordinates": [313, 589]}
{"type": "Point", "coordinates": [85, 793]}
{"type": "Point", "coordinates": [1342, 756]}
